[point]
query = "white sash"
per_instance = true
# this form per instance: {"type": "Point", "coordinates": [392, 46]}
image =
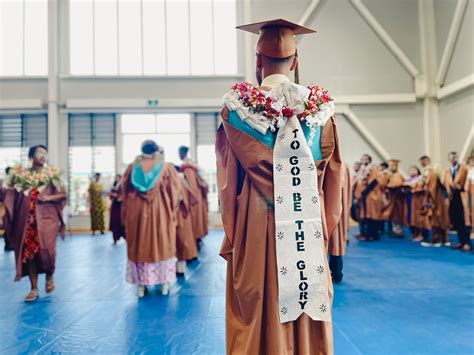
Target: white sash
{"type": "Point", "coordinates": [302, 274]}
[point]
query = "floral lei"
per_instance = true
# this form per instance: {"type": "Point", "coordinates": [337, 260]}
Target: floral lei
{"type": "Point", "coordinates": [25, 180]}
{"type": "Point", "coordinates": [317, 107]}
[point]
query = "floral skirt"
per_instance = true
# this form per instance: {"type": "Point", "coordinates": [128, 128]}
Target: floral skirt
{"type": "Point", "coordinates": [31, 244]}
{"type": "Point", "coordinates": [148, 274]}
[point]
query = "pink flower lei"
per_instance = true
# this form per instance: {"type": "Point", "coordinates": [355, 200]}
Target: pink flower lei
{"type": "Point", "coordinates": [253, 98]}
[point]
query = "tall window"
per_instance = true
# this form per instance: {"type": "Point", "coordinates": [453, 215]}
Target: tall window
{"type": "Point", "coordinates": [168, 130]}
{"type": "Point", "coordinates": [153, 37]}
{"type": "Point", "coordinates": [23, 37]}
{"type": "Point", "coordinates": [17, 134]}
{"type": "Point", "coordinates": [91, 150]}
{"type": "Point", "coordinates": [206, 127]}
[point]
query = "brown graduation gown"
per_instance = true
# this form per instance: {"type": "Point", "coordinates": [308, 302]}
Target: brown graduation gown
{"type": "Point", "coordinates": [245, 182]}
{"type": "Point", "coordinates": [50, 224]}
{"type": "Point", "coordinates": [150, 218]}
{"type": "Point", "coordinates": [396, 209]}
{"type": "Point", "coordinates": [338, 242]}
{"type": "Point", "coordinates": [420, 214]}
{"type": "Point", "coordinates": [459, 210]}
{"type": "Point", "coordinates": [374, 202]}
{"type": "Point", "coordinates": [186, 248]}
{"type": "Point", "coordinates": [198, 210]}
{"type": "Point", "coordinates": [439, 202]}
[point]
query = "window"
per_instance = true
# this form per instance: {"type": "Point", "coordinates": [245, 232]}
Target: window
{"type": "Point", "coordinates": [23, 37]}
{"type": "Point", "coordinates": [17, 134]}
{"type": "Point", "coordinates": [153, 37]}
{"type": "Point", "coordinates": [91, 150]}
{"type": "Point", "coordinates": [170, 131]}
{"type": "Point", "coordinates": [206, 129]}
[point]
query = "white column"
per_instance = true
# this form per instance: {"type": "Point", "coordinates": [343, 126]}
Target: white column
{"type": "Point", "coordinates": [53, 112]}
{"type": "Point", "coordinates": [431, 124]}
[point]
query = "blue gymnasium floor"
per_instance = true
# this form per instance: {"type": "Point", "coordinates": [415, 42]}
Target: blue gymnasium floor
{"type": "Point", "coordinates": [396, 298]}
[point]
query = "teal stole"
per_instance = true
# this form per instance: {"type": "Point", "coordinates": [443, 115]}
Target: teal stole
{"type": "Point", "coordinates": [269, 138]}
{"type": "Point", "coordinates": [142, 181]}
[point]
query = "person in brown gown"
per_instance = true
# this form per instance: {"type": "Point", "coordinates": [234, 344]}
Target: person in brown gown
{"type": "Point", "coordinates": [337, 244]}
{"type": "Point", "coordinates": [35, 220]}
{"type": "Point", "coordinates": [149, 214]}
{"type": "Point", "coordinates": [355, 206]}
{"type": "Point", "coordinates": [3, 218]}
{"type": "Point", "coordinates": [245, 179]}
{"type": "Point", "coordinates": [470, 189]}
{"type": "Point", "coordinates": [199, 211]}
{"type": "Point", "coordinates": [186, 248]}
{"type": "Point", "coordinates": [395, 211]}
{"type": "Point", "coordinates": [115, 224]}
{"type": "Point", "coordinates": [419, 211]}
{"type": "Point", "coordinates": [438, 202]}
{"type": "Point", "coordinates": [369, 191]}
{"type": "Point", "coordinates": [456, 179]}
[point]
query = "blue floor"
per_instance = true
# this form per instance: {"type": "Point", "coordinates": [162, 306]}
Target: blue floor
{"type": "Point", "coordinates": [396, 298]}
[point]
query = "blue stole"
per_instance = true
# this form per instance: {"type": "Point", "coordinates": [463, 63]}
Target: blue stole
{"type": "Point", "coordinates": [269, 138]}
{"type": "Point", "coordinates": [142, 181]}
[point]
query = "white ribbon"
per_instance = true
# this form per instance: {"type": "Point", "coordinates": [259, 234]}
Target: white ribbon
{"type": "Point", "coordinates": [302, 275]}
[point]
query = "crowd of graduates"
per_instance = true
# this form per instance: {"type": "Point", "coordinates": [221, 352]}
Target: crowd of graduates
{"type": "Point", "coordinates": [430, 201]}
{"type": "Point", "coordinates": [161, 210]}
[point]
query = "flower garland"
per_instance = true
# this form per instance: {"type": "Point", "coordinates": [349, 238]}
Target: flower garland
{"type": "Point", "coordinates": [264, 111]}
{"type": "Point", "coordinates": [25, 180]}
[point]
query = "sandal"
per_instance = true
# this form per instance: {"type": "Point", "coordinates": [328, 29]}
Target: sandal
{"type": "Point", "coordinates": [32, 296]}
{"type": "Point", "coordinates": [50, 286]}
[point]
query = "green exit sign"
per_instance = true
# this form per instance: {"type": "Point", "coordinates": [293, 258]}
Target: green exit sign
{"type": "Point", "coordinates": [153, 102]}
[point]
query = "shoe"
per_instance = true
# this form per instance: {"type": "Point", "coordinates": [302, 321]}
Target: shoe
{"type": "Point", "coordinates": [466, 247]}
{"type": "Point", "coordinates": [417, 239]}
{"type": "Point", "coordinates": [457, 246]}
{"type": "Point", "coordinates": [141, 291]}
{"type": "Point", "coordinates": [447, 244]}
{"type": "Point", "coordinates": [427, 244]}
{"type": "Point", "coordinates": [50, 286]}
{"type": "Point", "coordinates": [32, 296]}
{"type": "Point", "coordinates": [165, 289]}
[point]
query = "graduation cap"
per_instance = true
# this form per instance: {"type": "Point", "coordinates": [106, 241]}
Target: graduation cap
{"type": "Point", "coordinates": [277, 37]}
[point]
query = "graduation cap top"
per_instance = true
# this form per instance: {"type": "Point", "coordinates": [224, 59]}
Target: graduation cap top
{"type": "Point", "coordinates": [277, 37]}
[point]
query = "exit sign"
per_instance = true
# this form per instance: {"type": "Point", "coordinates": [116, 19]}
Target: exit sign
{"type": "Point", "coordinates": [153, 102]}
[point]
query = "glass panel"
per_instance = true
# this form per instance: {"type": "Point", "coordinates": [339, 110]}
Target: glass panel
{"type": "Point", "coordinates": [11, 37]}
{"type": "Point", "coordinates": [131, 146]}
{"type": "Point", "coordinates": [130, 47]}
{"type": "Point", "coordinates": [154, 42]}
{"type": "Point", "coordinates": [225, 37]}
{"type": "Point", "coordinates": [36, 37]}
{"type": "Point", "coordinates": [170, 143]}
{"type": "Point", "coordinates": [9, 157]}
{"type": "Point", "coordinates": [105, 18]}
{"type": "Point", "coordinates": [173, 123]}
{"type": "Point", "coordinates": [80, 165]}
{"type": "Point", "coordinates": [201, 37]}
{"type": "Point", "coordinates": [206, 159]}
{"type": "Point", "coordinates": [81, 37]}
{"type": "Point", "coordinates": [177, 13]}
{"type": "Point", "coordinates": [138, 124]}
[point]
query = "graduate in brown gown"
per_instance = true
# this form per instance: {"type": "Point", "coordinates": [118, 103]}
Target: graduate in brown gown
{"type": "Point", "coordinates": [35, 220]}
{"type": "Point", "coordinates": [456, 179]}
{"type": "Point", "coordinates": [419, 211]}
{"type": "Point", "coordinates": [199, 211]}
{"type": "Point", "coordinates": [337, 244]}
{"type": "Point", "coordinates": [370, 192]}
{"type": "Point", "coordinates": [245, 179]}
{"type": "Point", "coordinates": [116, 196]}
{"type": "Point", "coordinates": [3, 218]}
{"type": "Point", "coordinates": [149, 213]}
{"type": "Point", "coordinates": [438, 202]}
{"type": "Point", "coordinates": [186, 248]}
{"type": "Point", "coordinates": [395, 211]}
{"type": "Point", "coordinates": [470, 188]}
